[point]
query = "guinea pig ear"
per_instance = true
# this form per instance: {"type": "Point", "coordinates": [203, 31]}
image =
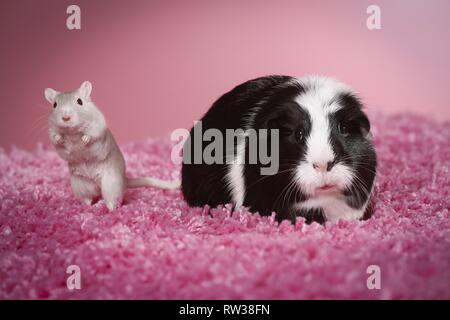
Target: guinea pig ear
{"type": "Point", "coordinates": [86, 89]}
{"type": "Point", "coordinates": [50, 95]}
{"type": "Point", "coordinates": [365, 128]}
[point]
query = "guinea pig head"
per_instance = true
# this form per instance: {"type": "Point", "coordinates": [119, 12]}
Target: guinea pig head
{"type": "Point", "coordinates": [339, 156]}
{"type": "Point", "coordinates": [325, 142]}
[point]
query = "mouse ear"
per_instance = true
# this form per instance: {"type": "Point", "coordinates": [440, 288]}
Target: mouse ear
{"type": "Point", "coordinates": [50, 95]}
{"type": "Point", "coordinates": [85, 89]}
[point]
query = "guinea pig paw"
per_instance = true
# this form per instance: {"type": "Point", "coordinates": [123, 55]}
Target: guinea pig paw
{"type": "Point", "coordinates": [85, 139]}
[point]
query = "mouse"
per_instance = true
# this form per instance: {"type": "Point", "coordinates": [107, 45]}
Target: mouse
{"type": "Point", "coordinates": [327, 159]}
{"type": "Point", "coordinates": [78, 131]}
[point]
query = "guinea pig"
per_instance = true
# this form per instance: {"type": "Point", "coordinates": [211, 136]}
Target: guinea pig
{"type": "Point", "coordinates": [78, 130]}
{"type": "Point", "coordinates": [327, 161]}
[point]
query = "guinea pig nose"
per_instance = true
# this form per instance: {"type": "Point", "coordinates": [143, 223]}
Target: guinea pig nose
{"type": "Point", "coordinates": [66, 118]}
{"type": "Point", "coordinates": [323, 165]}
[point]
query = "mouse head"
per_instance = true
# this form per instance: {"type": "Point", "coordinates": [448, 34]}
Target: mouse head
{"type": "Point", "coordinates": [73, 110]}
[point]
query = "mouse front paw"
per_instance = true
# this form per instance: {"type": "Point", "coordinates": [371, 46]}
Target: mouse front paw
{"type": "Point", "coordinates": [85, 139]}
{"type": "Point", "coordinates": [58, 139]}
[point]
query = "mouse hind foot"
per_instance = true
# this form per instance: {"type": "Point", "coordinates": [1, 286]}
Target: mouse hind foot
{"type": "Point", "coordinates": [84, 190]}
{"type": "Point", "coordinates": [112, 189]}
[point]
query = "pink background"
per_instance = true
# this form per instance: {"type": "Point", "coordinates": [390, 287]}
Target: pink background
{"type": "Point", "coordinates": [158, 65]}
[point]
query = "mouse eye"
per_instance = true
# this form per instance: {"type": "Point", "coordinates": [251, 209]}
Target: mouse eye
{"type": "Point", "coordinates": [80, 102]}
{"type": "Point", "coordinates": [349, 128]}
{"type": "Point", "coordinates": [54, 105]}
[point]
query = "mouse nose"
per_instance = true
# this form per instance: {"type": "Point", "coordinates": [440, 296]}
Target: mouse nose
{"type": "Point", "coordinates": [66, 118]}
{"type": "Point", "coordinates": [323, 166]}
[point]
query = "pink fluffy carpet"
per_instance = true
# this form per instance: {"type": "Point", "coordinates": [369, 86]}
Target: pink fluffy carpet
{"type": "Point", "coordinates": [156, 247]}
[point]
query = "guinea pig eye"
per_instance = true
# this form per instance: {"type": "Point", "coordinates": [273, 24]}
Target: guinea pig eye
{"type": "Point", "coordinates": [79, 101]}
{"type": "Point", "coordinates": [349, 128]}
{"type": "Point", "coordinates": [54, 105]}
{"type": "Point", "coordinates": [299, 135]}
{"type": "Point", "coordinates": [285, 131]}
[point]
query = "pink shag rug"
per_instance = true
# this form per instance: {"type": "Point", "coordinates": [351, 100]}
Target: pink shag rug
{"type": "Point", "coordinates": [156, 247]}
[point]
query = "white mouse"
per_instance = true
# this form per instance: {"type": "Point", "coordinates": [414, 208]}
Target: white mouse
{"type": "Point", "coordinates": [78, 130]}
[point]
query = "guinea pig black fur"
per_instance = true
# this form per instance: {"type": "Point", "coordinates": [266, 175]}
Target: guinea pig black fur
{"type": "Point", "coordinates": [327, 161]}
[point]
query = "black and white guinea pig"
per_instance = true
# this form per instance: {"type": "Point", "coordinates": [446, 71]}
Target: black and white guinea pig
{"type": "Point", "coordinates": [327, 161]}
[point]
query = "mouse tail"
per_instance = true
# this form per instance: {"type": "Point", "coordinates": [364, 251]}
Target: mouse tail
{"type": "Point", "coordinates": [153, 182]}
